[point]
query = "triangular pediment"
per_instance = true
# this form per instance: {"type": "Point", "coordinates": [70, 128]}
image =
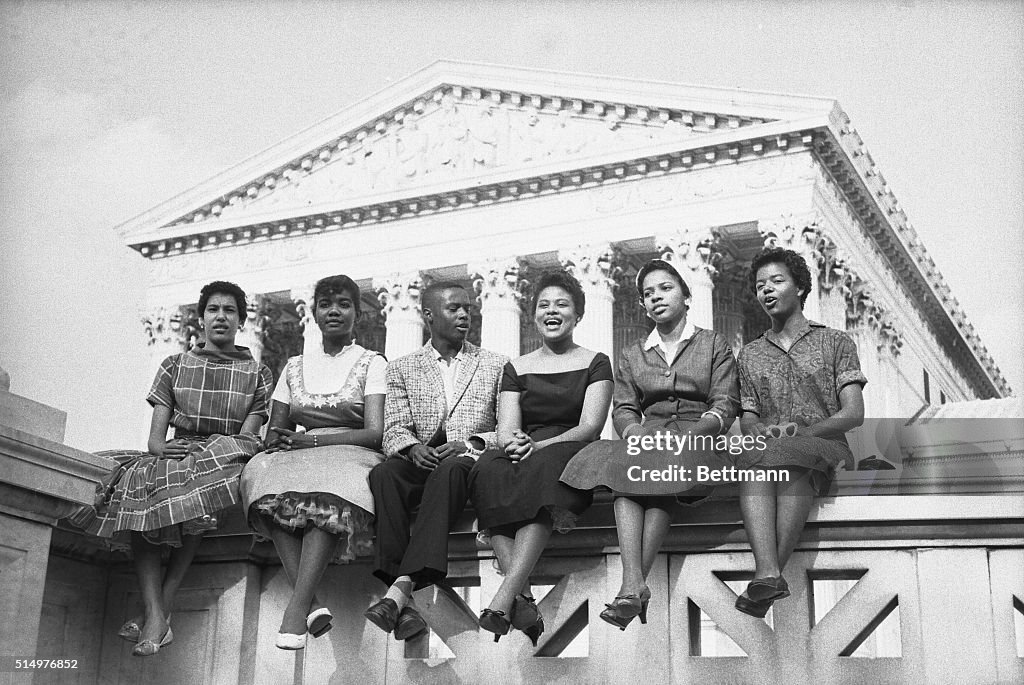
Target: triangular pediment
{"type": "Point", "coordinates": [454, 122]}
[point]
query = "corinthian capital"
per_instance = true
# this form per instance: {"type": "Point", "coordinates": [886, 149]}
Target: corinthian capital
{"type": "Point", "coordinates": [165, 325]}
{"type": "Point", "coordinates": [691, 248]}
{"type": "Point", "coordinates": [594, 266]}
{"type": "Point", "coordinates": [498, 281]}
{"type": "Point", "coordinates": [800, 233]}
{"type": "Point", "coordinates": [399, 293]}
{"type": "Point", "coordinates": [302, 296]}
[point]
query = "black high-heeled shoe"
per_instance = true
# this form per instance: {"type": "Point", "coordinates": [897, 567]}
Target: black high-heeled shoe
{"type": "Point", "coordinates": [494, 622]}
{"type": "Point", "coordinates": [527, 617]}
{"type": "Point", "coordinates": [624, 608]}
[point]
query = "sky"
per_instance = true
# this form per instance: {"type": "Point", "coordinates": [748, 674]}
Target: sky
{"type": "Point", "coordinates": [108, 108]}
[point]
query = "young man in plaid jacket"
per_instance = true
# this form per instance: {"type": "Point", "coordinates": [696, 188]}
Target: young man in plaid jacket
{"type": "Point", "coordinates": [439, 416]}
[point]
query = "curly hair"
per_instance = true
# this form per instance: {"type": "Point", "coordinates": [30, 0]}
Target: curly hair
{"type": "Point", "coordinates": [561, 279]}
{"type": "Point", "coordinates": [335, 285]}
{"type": "Point", "coordinates": [659, 265]}
{"type": "Point", "coordinates": [791, 260]}
{"type": "Point", "coordinates": [223, 288]}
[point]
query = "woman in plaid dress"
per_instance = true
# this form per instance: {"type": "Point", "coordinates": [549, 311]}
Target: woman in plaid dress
{"type": "Point", "coordinates": [215, 396]}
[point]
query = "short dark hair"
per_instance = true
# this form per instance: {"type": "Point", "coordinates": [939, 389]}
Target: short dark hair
{"type": "Point", "coordinates": [334, 285]}
{"type": "Point", "coordinates": [561, 279]}
{"type": "Point", "coordinates": [224, 288]}
{"type": "Point", "coordinates": [659, 265]}
{"type": "Point", "coordinates": [432, 291]}
{"type": "Point", "coordinates": [789, 259]}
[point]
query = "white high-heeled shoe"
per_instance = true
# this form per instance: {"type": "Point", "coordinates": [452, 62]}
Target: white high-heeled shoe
{"type": "Point", "coordinates": [290, 641]}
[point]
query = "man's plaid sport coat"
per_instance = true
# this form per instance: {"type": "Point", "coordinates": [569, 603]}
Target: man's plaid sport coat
{"type": "Point", "coordinates": [415, 409]}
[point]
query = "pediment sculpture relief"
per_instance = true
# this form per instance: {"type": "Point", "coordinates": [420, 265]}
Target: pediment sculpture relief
{"type": "Point", "coordinates": [455, 139]}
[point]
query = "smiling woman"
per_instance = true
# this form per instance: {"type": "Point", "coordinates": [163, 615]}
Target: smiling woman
{"type": "Point", "coordinates": [553, 402]}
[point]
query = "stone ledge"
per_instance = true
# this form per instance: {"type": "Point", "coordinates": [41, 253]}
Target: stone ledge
{"type": "Point", "coordinates": [48, 468]}
{"type": "Point", "coordinates": [32, 417]}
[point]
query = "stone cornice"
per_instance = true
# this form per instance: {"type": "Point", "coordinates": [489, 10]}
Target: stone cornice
{"type": "Point", "coordinates": [847, 161]}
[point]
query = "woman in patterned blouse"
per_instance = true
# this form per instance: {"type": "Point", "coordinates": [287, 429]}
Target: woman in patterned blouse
{"type": "Point", "coordinates": [215, 396]}
{"type": "Point", "coordinates": [308, 491]}
{"type": "Point", "coordinates": [800, 390]}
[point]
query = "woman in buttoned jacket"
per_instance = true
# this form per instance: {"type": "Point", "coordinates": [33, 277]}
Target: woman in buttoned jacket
{"type": "Point", "coordinates": [678, 382]}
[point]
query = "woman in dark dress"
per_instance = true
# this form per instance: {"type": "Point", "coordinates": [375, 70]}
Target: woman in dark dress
{"type": "Point", "coordinates": [215, 396]}
{"type": "Point", "coordinates": [553, 402]}
{"type": "Point", "coordinates": [800, 391]}
{"type": "Point", "coordinates": [680, 380]}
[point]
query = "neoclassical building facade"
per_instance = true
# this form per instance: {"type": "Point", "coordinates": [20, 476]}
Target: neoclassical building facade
{"type": "Point", "coordinates": [488, 175]}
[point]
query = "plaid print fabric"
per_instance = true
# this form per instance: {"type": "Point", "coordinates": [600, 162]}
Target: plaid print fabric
{"type": "Point", "coordinates": [415, 409]}
{"type": "Point", "coordinates": [152, 495]}
{"type": "Point", "coordinates": [209, 394]}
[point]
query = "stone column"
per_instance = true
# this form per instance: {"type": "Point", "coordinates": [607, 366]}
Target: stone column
{"type": "Point", "coordinates": [399, 296]}
{"type": "Point", "coordinates": [594, 267]}
{"type": "Point", "coordinates": [500, 290]}
{"type": "Point", "coordinates": [800, 234]}
{"type": "Point", "coordinates": [691, 252]}
{"type": "Point", "coordinates": [251, 333]}
{"type": "Point", "coordinates": [312, 339]}
{"type": "Point", "coordinates": [835, 277]}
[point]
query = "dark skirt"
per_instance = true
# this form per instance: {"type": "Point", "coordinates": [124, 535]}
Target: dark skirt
{"type": "Point", "coordinates": [820, 456]}
{"type": "Point", "coordinates": [505, 492]}
{"type": "Point", "coordinates": [609, 464]}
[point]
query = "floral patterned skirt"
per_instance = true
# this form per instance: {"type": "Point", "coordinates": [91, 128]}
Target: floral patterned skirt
{"type": "Point", "coordinates": [322, 487]}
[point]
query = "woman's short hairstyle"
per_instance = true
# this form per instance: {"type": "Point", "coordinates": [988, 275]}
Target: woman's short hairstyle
{"type": "Point", "coordinates": [561, 279]}
{"type": "Point", "coordinates": [659, 265]}
{"type": "Point", "coordinates": [788, 258]}
{"type": "Point", "coordinates": [335, 285]}
{"type": "Point", "coordinates": [223, 288]}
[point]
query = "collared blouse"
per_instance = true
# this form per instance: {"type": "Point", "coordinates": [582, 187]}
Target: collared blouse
{"type": "Point", "coordinates": [702, 377]}
{"type": "Point", "coordinates": [803, 383]}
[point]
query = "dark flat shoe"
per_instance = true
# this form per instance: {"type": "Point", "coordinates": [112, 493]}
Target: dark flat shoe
{"type": "Point", "coordinates": [409, 624]}
{"type": "Point", "coordinates": [767, 589]}
{"type": "Point", "coordinates": [751, 607]}
{"type": "Point", "coordinates": [383, 614]}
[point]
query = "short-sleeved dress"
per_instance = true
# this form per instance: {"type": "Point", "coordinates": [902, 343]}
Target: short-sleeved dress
{"type": "Point", "coordinates": [800, 386]}
{"type": "Point", "coordinates": [667, 396]}
{"type": "Point", "coordinates": [325, 487]}
{"type": "Point", "coordinates": [210, 394]}
{"type": "Point", "coordinates": [504, 492]}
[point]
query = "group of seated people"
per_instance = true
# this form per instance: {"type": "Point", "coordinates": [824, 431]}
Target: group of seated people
{"type": "Point", "coordinates": [355, 445]}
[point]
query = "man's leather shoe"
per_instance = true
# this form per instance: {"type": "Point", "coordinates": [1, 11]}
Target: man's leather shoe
{"type": "Point", "coordinates": [383, 614]}
{"type": "Point", "coordinates": [409, 624]}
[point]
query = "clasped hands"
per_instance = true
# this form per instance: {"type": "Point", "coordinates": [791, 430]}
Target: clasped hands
{"type": "Point", "coordinates": [428, 458]}
{"type": "Point", "coordinates": [284, 439]}
{"type": "Point", "coordinates": [775, 430]}
{"type": "Point", "coordinates": [520, 447]}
